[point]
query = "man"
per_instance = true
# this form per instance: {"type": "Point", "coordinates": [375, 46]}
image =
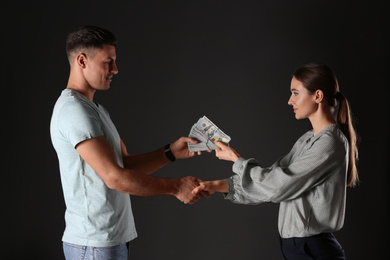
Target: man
{"type": "Point", "coordinates": [97, 173]}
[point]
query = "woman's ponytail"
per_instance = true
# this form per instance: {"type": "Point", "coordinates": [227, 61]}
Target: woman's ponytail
{"type": "Point", "coordinates": [344, 120]}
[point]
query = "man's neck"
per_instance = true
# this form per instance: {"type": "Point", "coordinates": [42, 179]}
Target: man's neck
{"type": "Point", "coordinates": [81, 86]}
{"type": "Point", "coordinates": [88, 94]}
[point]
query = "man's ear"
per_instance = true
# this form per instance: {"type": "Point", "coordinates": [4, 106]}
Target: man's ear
{"type": "Point", "coordinates": [319, 96]}
{"type": "Point", "coordinates": [82, 60]}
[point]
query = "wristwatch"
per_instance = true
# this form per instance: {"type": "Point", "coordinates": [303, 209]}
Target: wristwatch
{"type": "Point", "coordinates": [168, 153]}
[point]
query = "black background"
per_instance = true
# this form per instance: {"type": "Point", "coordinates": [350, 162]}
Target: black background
{"type": "Point", "coordinates": [179, 60]}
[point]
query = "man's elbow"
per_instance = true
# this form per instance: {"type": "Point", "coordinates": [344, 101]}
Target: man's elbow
{"type": "Point", "coordinates": [113, 181]}
{"type": "Point", "coordinates": [122, 181]}
{"type": "Point", "coordinates": [112, 184]}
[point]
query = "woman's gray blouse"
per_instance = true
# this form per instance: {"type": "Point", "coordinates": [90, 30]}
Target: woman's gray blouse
{"type": "Point", "coordinates": [309, 183]}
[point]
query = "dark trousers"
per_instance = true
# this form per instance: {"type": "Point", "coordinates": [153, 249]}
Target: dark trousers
{"type": "Point", "coordinates": [320, 247]}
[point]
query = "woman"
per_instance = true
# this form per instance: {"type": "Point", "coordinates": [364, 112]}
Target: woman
{"type": "Point", "coordinates": [310, 181]}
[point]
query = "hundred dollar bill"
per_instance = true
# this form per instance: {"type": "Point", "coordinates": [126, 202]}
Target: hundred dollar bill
{"type": "Point", "coordinates": [206, 132]}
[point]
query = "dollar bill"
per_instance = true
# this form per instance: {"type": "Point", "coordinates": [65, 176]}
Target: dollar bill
{"type": "Point", "coordinates": [206, 132]}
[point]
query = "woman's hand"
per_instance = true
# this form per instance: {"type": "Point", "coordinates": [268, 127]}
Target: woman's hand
{"type": "Point", "coordinates": [225, 152]}
{"type": "Point", "coordinates": [210, 187]}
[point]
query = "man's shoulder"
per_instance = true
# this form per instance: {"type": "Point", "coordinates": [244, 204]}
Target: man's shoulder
{"type": "Point", "coordinates": [71, 103]}
{"type": "Point", "coordinates": [75, 119]}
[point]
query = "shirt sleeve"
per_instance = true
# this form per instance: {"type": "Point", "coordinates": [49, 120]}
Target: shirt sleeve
{"type": "Point", "coordinates": [288, 177]}
{"type": "Point", "coordinates": [78, 122]}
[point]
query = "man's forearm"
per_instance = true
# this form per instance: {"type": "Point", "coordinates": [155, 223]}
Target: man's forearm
{"type": "Point", "coordinates": [146, 163]}
{"type": "Point", "coordinates": [139, 184]}
{"type": "Point", "coordinates": [136, 183]}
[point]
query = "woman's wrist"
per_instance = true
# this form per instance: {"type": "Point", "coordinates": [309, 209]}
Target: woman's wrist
{"type": "Point", "coordinates": [220, 186]}
{"type": "Point", "coordinates": [235, 158]}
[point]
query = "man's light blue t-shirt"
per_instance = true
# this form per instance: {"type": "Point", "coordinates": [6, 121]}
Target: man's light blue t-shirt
{"type": "Point", "coordinates": [95, 214]}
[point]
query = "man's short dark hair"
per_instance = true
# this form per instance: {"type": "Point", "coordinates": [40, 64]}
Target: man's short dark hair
{"type": "Point", "coordinates": [87, 37]}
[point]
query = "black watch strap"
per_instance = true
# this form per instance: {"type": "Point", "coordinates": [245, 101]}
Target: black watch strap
{"type": "Point", "coordinates": [168, 153]}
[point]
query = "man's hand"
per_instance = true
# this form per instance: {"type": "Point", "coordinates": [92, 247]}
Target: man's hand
{"type": "Point", "coordinates": [185, 187]}
{"type": "Point", "coordinates": [225, 152]}
{"type": "Point", "coordinates": [180, 148]}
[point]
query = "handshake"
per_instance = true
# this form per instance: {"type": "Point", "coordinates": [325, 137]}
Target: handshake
{"type": "Point", "coordinates": [191, 189]}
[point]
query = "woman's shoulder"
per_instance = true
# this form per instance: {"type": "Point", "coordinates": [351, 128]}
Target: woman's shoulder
{"type": "Point", "coordinates": [333, 137]}
{"type": "Point", "coordinates": [334, 132]}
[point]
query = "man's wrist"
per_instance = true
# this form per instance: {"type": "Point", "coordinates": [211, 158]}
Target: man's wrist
{"type": "Point", "coordinates": [168, 153]}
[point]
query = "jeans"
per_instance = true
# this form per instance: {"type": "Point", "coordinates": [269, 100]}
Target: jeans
{"type": "Point", "coordinates": [77, 252]}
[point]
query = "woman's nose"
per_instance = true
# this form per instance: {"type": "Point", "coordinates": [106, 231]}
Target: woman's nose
{"type": "Point", "coordinates": [289, 102]}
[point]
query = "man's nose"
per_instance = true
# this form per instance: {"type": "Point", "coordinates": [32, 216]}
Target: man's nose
{"type": "Point", "coordinates": [114, 68]}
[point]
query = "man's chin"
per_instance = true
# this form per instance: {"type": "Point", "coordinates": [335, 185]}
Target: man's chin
{"type": "Point", "coordinates": [104, 88]}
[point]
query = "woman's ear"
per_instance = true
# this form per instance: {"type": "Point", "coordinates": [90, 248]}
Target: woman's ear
{"type": "Point", "coordinates": [319, 96]}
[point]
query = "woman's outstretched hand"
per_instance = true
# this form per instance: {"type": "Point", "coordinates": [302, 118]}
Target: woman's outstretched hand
{"type": "Point", "coordinates": [210, 187]}
{"type": "Point", "coordinates": [225, 152]}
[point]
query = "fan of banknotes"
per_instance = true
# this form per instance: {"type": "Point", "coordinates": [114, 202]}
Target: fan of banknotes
{"type": "Point", "coordinates": [206, 132]}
